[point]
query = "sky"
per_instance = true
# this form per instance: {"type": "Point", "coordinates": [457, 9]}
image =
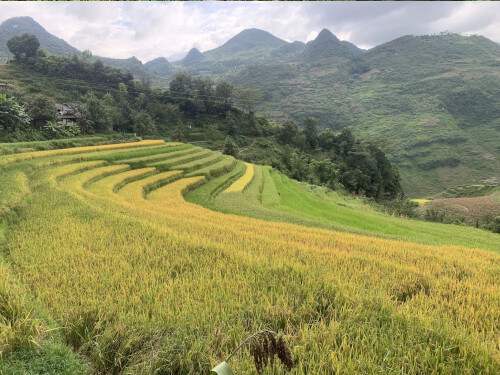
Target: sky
{"type": "Point", "coordinates": [170, 29]}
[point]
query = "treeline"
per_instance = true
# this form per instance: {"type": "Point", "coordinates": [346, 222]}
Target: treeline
{"type": "Point", "coordinates": [194, 108]}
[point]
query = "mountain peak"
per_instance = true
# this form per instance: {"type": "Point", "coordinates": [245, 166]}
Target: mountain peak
{"type": "Point", "coordinates": [326, 34]}
{"type": "Point", "coordinates": [247, 40]}
{"type": "Point", "coordinates": [325, 45]}
{"type": "Point", "coordinates": [193, 56]}
{"type": "Point", "coordinates": [160, 66]}
{"type": "Point", "coordinates": [254, 34]}
{"type": "Point", "coordinates": [158, 60]}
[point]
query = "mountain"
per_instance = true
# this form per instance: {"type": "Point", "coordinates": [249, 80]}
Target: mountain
{"type": "Point", "coordinates": [193, 56]}
{"type": "Point", "coordinates": [354, 49]}
{"type": "Point", "coordinates": [20, 25]}
{"type": "Point", "coordinates": [433, 100]}
{"type": "Point", "coordinates": [160, 66]}
{"type": "Point", "coordinates": [325, 45]}
{"type": "Point", "coordinates": [249, 47]}
{"type": "Point", "coordinates": [250, 41]}
{"type": "Point", "coordinates": [132, 63]}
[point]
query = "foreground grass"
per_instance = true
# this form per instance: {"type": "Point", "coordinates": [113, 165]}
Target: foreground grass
{"type": "Point", "coordinates": [144, 284]}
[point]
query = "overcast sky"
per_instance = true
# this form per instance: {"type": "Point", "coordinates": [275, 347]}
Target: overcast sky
{"type": "Point", "coordinates": [152, 29]}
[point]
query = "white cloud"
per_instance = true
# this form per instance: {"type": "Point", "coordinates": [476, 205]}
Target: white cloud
{"type": "Point", "coordinates": [152, 29]}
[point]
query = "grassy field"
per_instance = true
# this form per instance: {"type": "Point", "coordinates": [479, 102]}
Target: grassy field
{"type": "Point", "coordinates": [137, 280]}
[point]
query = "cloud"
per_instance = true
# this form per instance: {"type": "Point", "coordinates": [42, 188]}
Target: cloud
{"type": "Point", "coordinates": [152, 29]}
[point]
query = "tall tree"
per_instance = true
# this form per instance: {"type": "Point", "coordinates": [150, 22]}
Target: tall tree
{"type": "Point", "coordinates": [288, 131]}
{"type": "Point", "coordinates": [311, 132]}
{"type": "Point", "coordinates": [23, 46]}
{"type": "Point", "coordinates": [95, 113]}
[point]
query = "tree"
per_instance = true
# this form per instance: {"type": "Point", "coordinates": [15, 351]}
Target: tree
{"type": "Point", "coordinates": [86, 55]}
{"type": "Point", "coordinates": [311, 132]}
{"type": "Point", "coordinates": [11, 114]}
{"type": "Point", "coordinates": [230, 148]}
{"type": "Point", "coordinates": [327, 140]}
{"type": "Point", "coordinates": [299, 169]}
{"type": "Point", "coordinates": [325, 172]}
{"type": "Point", "coordinates": [41, 110]}
{"type": "Point", "coordinates": [96, 114]}
{"type": "Point", "coordinates": [232, 128]}
{"type": "Point", "coordinates": [171, 118]}
{"type": "Point", "coordinates": [143, 123]}
{"type": "Point", "coordinates": [23, 46]}
{"type": "Point", "coordinates": [180, 86]}
{"type": "Point", "coordinates": [248, 98]}
{"type": "Point", "coordinates": [223, 91]}
{"type": "Point", "coordinates": [123, 111]}
{"type": "Point", "coordinates": [288, 131]}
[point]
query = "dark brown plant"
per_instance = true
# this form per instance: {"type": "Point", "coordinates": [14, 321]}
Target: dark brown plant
{"type": "Point", "coordinates": [264, 348]}
{"type": "Point", "coordinates": [284, 354]}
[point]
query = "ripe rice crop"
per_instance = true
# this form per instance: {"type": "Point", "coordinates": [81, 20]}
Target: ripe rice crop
{"type": "Point", "coordinates": [77, 150]}
{"type": "Point", "coordinates": [172, 163]}
{"type": "Point", "coordinates": [167, 153]}
{"type": "Point", "coordinates": [243, 181]}
{"type": "Point", "coordinates": [213, 170]}
{"type": "Point", "coordinates": [142, 281]}
{"type": "Point", "coordinates": [199, 163]}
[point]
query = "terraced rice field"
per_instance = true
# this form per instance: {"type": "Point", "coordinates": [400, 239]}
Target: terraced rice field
{"type": "Point", "coordinates": [140, 280]}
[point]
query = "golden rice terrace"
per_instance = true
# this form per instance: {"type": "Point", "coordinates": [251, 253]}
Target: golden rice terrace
{"type": "Point", "coordinates": [160, 258]}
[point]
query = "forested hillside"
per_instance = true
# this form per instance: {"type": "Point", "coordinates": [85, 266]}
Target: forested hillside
{"type": "Point", "coordinates": [194, 109]}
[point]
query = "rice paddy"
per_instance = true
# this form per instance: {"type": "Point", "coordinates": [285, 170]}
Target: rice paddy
{"type": "Point", "coordinates": [152, 266]}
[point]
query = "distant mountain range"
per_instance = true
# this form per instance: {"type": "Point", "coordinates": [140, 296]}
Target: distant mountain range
{"type": "Point", "coordinates": [433, 100]}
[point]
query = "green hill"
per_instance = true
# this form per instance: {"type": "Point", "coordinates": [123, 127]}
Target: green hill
{"type": "Point", "coordinates": [160, 66]}
{"type": "Point", "coordinates": [325, 45]}
{"type": "Point", "coordinates": [194, 56]}
{"type": "Point", "coordinates": [434, 100]}
{"type": "Point", "coordinates": [20, 25]}
{"type": "Point", "coordinates": [248, 42]}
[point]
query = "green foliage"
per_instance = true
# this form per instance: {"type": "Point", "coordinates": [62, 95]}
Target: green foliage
{"type": "Point", "coordinates": [42, 109]}
{"type": "Point", "coordinates": [60, 130]}
{"type": "Point", "coordinates": [190, 110]}
{"type": "Point", "coordinates": [143, 123]}
{"type": "Point", "coordinates": [224, 91]}
{"type": "Point", "coordinates": [96, 114]}
{"type": "Point", "coordinates": [311, 132]}
{"type": "Point", "coordinates": [230, 148]}
{"type": "Point", "coordinates": [50, 359]}
{"type": "Point", "coordinates": [289, 130]}
{"type": "Point", "coordinates": [11, 114]}
{"type": "Point", "coordinates": [23, 46]}
{"type": "Point", "coordinates": [248, 98]}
